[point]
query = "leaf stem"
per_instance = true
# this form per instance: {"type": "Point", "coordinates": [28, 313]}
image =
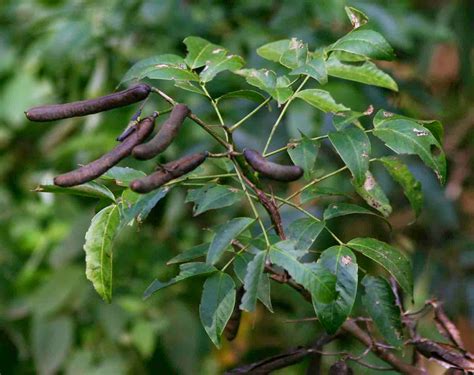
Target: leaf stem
{"type": "Point", "coordinates": [241, 121]}
{"type": "Point", "coordinates": [282, 113]}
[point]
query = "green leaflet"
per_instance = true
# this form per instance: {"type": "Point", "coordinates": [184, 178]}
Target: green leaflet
{"type": "Point", "coordinates": [98, 248]}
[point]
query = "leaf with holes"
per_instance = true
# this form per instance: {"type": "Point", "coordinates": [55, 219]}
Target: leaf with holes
{"type": "Point", "coordinates": [379, 300]}
{"type": "Point", "coordinates": [411, 187]}
{"type": "Point", "coordinates": [353, 146]}
{"type": "Point", "coordinates": [315, 67]}
{"type": "Point", "coordinates": [405, 136]}
{"type": "Point", "coordinates": [98, 249]}
{"type": "Point", "coordinates": [217, 304]}
{"type": "Point", "coordinates": [296, 54]}
{"type": "Point", "coordinates": [186, 271]}
{"type": "Point", "coordinates": [367, 43]}
{"type": "Point", "coordinates": [373, 194]}
{"type": "Point", "coordinates": [356, 17]}
{"type": "Point", "coordinates": [365, 72]}
{"type": "Point", "coordinates": [211, 197]}
{"type": "Point", "coordinates": [222, 63]}
{"type": "Point", "coordinates": [389, 257]}
{"type": "Point", "coordinates": [201, 51]}
{"type": "Point", "coordinates": [321, 99]}
{"type": "Point", "coordinates": [304, 232]}
{"type": "Point", "coordinates": [342, 263]}
{"type": "Point", "coordinates": [224, 236]}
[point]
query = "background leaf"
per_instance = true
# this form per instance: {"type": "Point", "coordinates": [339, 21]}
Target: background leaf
{"type": "Point", "coordinates": [379, 301]}
{"type": "Point", "coordinates": [217, 304]}
{"type": "Point", "coordinates": [186, 271]}
{"type": "Point", "coordinates": [98, 248]}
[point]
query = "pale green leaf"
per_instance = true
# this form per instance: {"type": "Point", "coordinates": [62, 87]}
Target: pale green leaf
{"type": "Point", "coordinates": [142, 67]}
{"type": "Point", "coordinates": [296, 54]}
{"type": "Point", "coordinates": [315, 67]}
{"type": "Point", "coordinates": [217, 304]}
{"type": "Point", "coordinates": [89, 189]}
{"type": "Point", "coordinates": [321, 99]}
{"type": "Point", "coordinates": [251, 95]}
{"type": "Point", "coordinates": [122, 175]}
{"type": "Point", "coordinates": [98, 249]}
{"type": "Point", "coordinates": [365, 72]}
{"type": "Point", "coordinates": [200, 51]}
{"type": "Point", "coordinates": [215, 66]}
{"type": "Point", "coordinates": [274, 50]}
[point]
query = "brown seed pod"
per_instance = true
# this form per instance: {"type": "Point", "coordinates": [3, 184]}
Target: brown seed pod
{"type": "Point", "coordinates": [232, 327]}
{"type": "Point", "coordinates": [340, 368]}
{"type": "Point", "coordinates": [86, 107]}
{"type": "Point", "coordinates": [168, 172]}
{"type": "Point", "coordinates": [169, 130]}
{"type": "Point", "coordinates": [98, 167]}
{"type": "Point", "coordinates": [272, 170]}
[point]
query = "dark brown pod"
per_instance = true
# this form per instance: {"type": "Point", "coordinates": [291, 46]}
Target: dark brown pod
{"type": "Point", "coordinates": [232, 327]}
{"type": "Point", "coordinates": [98, 167]}
{"type": "Point", "coordinates": [86, 107]}
{"type": "Point", "coordinates": [168, 172]}
{"type": "Point", "coordinates": [272, 170]}
{"type": "Point", "coordinates": [168, 131]}
{"type": "Point", "coordinates": [340, 368]}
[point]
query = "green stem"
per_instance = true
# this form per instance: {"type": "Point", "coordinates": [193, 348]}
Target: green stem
{"type": "Point", "coordinates": [282, 113]}
{"type": "Point", "coordinates": [237, 124]}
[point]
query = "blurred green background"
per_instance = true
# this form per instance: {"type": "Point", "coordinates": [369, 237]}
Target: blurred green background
{"type": "Point", "coordinates": [51, 320]}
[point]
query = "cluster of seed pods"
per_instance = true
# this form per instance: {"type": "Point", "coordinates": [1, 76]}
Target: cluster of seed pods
{"type": "Point", "coordinates": [133, 143]}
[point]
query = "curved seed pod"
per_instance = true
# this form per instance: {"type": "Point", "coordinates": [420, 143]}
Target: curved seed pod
{"type": "Point", "coordinates": [98, 167]}
{"type": "Point", "coordinates": [272, 170]}
{"type": "Point", "coordinates": [86, 107]}
{"type": "Point", "coordinates": [232, 327]}
{"type": "Point", "coordinates": [169, 130]}
{"type": "Point", "coordinates": [340, 368]}
{"type": "Point", "coordinates": [168, 172]}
